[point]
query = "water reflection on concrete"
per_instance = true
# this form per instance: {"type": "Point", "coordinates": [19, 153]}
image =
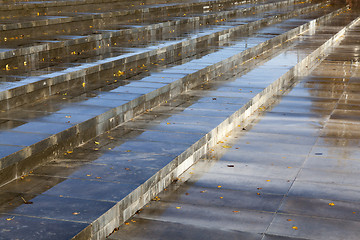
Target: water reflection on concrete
{"type": "Point", "coordinates": [291, 174]}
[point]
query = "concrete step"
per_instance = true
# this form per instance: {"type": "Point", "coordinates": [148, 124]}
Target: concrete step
{"type": "Point", "coordinates": [102, 183]}
{"type": "Point", "coordinates": [63, 122]}
{"type": "Point", "coordinates": [17, 9]}
{"type": "Point", "coordinates": [83, 21]}
{"type": "Point", "coordinates": [292, 174]}
{"type": "Point", "coordinates": [32, 77]}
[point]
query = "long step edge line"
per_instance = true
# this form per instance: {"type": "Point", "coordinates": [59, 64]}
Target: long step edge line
{"type": "Point", "coordinates": [108, 35]}
{"type": "Point", "coordinates": [23, 161]}
{"type": "Point", "coordinates": [58, 3]}
{"type": "Point", "coordinates": [129, 205]}
{"type": "Point", "coordinates": [95, 16]}
{"type": "Point", "coordinates": [39, 87]}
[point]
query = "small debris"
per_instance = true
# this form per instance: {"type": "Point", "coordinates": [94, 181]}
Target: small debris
{"type": "Point", "coordinates": [26, 202]}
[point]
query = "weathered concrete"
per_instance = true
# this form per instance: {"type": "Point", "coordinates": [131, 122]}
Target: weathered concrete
{"type": "Point", "coordinates": [102, 175]}
{"type": "Point", "coordinates": [128, 64]}
{"type": "Point", "coordinates": [292, 174]}
{"type": "Point", "coordinates": [105, 117]}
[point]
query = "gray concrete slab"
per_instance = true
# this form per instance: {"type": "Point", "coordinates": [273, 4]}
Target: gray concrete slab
{"type": "Point", "coordinates": [296, 162]}
{"type": "Point", "coordinates": [124, 173]}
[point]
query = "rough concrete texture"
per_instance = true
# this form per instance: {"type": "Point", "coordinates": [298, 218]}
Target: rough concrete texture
{"type": "Point", "coordinates": [291, 174]}
{"type": "Point", "coordinates": [107, 116]}
{"type": "Point", "coordinates": [92, 177]}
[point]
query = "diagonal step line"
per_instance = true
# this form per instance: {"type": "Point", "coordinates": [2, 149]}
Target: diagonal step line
{"type": "Point", "coordinates": [46, 83]}
{"type": "Point", "coordinates": [119, 33]}
{"type": "Point", "coordinates": [144, 193]}
{"type": "Point", "coordinates": [82, 132]}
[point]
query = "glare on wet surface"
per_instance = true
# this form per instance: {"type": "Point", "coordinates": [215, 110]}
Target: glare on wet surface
{"type": "Point", "coordinates": [290, 174]}
{"type": "Point", "coordinates": [82, 183]}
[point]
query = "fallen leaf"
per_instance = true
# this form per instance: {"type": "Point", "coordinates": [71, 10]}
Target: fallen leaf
{"type": "Point", "coordinates": [203, 191]}
{"type": "Point", "coordinates": [221, 197]}
{"type": "Point", "coordinates": [289, 220]}
{"type": "Point", "coordinates": [226, 146]}
{"type": "Point", "coordinates": [26, 202]}
{"type": "Point", "coordinates": [331, 204]}
{"type": "Point", "coordinates": [295, 227]}
{"type": "Point", "coordinates": [235, 211]}
{"type": "Point", "coordinates": [219, 186]}
{"type": "Point", "coordinates": [97, 143]}
{"type": "Point", "coordinates": [178, 207]}
{"type": "Point", "coordinates": [156, 198]}
{"type": "Point", "coordinates": [268, 180]}
{"type": "Point", "coordinates": [75, 213]}
{"type": "Point", "coordinates": [259, 188]}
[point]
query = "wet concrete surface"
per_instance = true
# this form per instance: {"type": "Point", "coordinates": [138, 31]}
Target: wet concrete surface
{"type": "Point", "coordinates": [67, 110]}
{"type": "Point", "coordinates": [290, 174]}
{"type": "Point", "coordinates": [81, 183]}
{"type": "Point", "coordinates": [35, 78]}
